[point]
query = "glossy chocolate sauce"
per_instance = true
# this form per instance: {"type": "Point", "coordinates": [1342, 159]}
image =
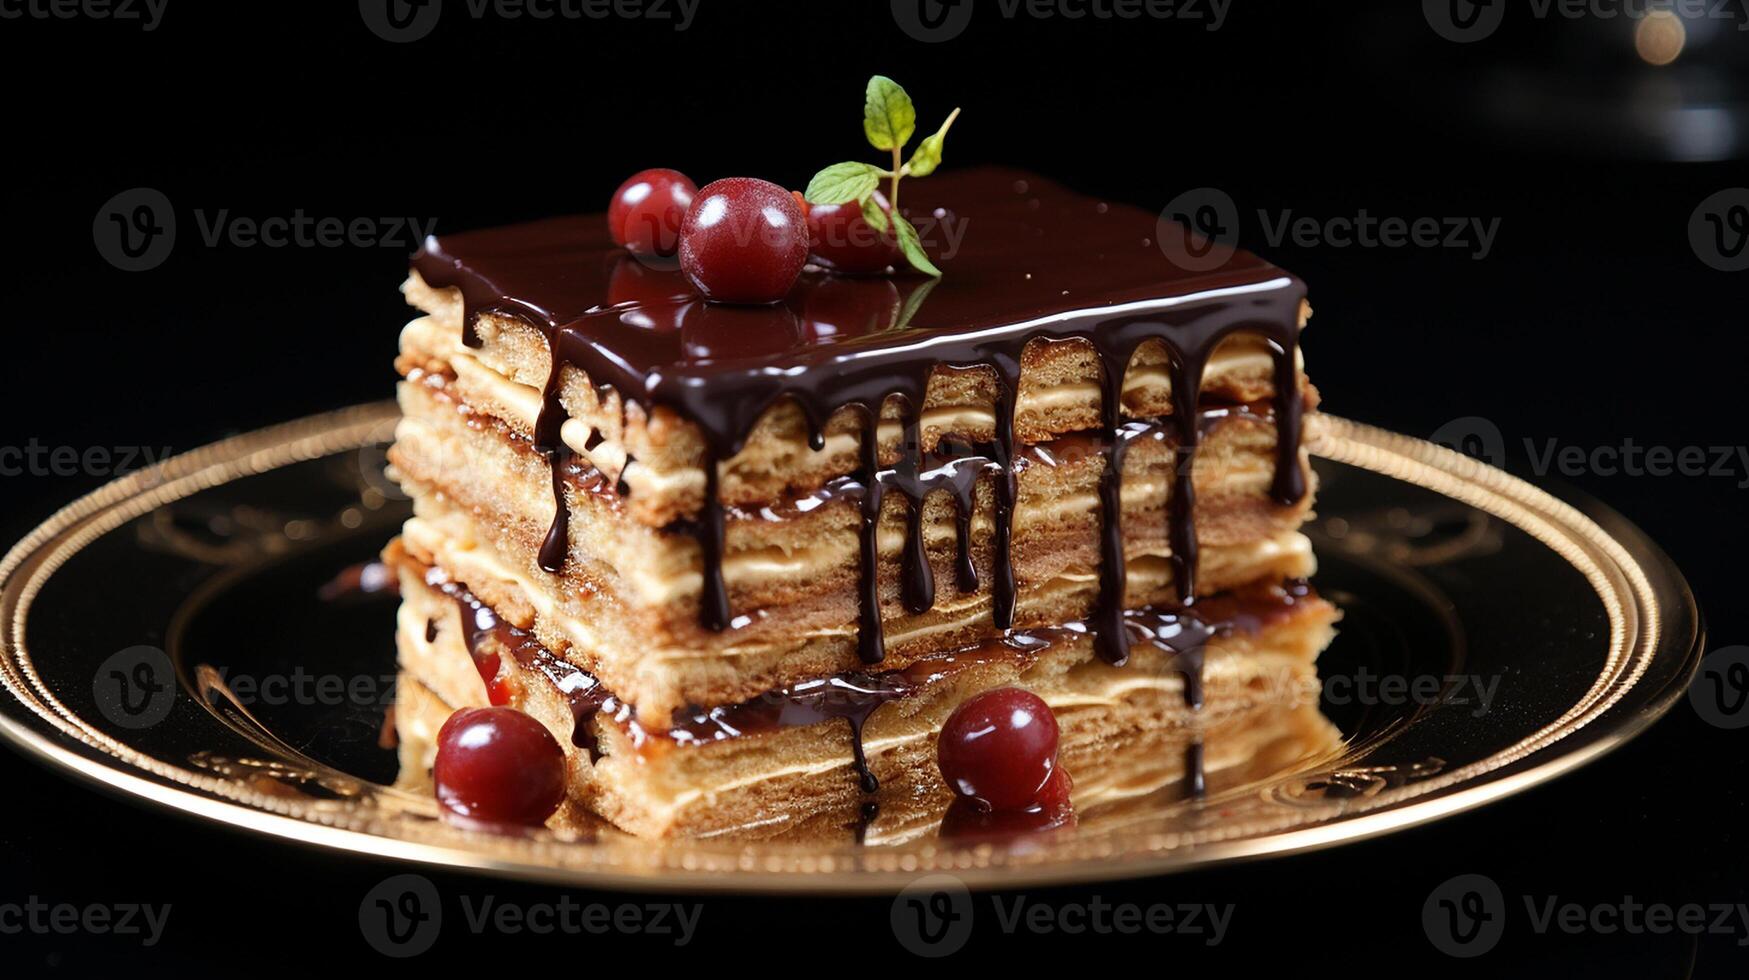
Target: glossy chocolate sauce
{"type": "Point", "coordinates": [1036, 264]}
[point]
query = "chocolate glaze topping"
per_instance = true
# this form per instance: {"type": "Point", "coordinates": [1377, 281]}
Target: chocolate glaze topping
{"type": "Point", "coordinates": [1036, 264]}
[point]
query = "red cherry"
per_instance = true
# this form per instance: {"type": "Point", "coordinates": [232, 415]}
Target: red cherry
{"type": "Point", "coordinates": [645, 213]}
{"type": "Point", "coordinates": [842, 239]}
{"type": "Point", "coordinates": [999, 748]}
{"type": "Point", "coordinates": [498, 765]}
{"type": "Point", "coordinates": [743, 241]}
{"type": "Point", "coordinates": [966, 819]}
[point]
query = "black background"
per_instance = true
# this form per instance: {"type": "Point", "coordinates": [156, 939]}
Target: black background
{"type": "Point", "coordinates": [1591, 321]}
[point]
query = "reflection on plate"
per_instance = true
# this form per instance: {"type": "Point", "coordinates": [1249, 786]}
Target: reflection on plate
{"type": "Point", "coordinates": [166, 636]}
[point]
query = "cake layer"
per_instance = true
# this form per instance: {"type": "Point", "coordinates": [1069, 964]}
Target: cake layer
{"type": "Point", "coordinates": [657, 455]}
{"type": "Point", "coordinates": [625, 605]}
{"type": "Point", "coordinates": [790, 756]}
{"type": "Point", "coordinates": [447, 444]}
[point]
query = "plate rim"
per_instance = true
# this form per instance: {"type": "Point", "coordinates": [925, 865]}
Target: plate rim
{"type": "Point", "coordinates": [1639, 561]}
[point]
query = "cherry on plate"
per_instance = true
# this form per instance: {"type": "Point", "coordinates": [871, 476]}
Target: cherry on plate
{"type": "Point", "coordinates": [842, 239]}
{"type": "Point", "coordinates": [743, 240]}
{"type": "Point", "coordinates": [499, 765]}
{"type": "Point", "coordinates": [645, 213]}
{"type": "Point", "coordinates": [999, 749]}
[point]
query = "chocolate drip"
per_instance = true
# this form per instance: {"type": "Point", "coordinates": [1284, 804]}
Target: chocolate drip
{"type": "Point", "coordinates": [871, 643]}
{"type": "Point", "coordinates": [1004, 592]}
{"type": "Point", "coordinates": [916, 577]}
{"type": "Point", "coordinates": [555, 548]}
{"type": "Point", "coordinates": [715, 598]}
{"type": "Point", "coordinates": [1041, 266]}
{"type": "Point", "coordinates": [951, 467]}
{"type": "Point", "coordinates": [1195, 772]}
{"type": "Point", "coordinates": [865, 819]}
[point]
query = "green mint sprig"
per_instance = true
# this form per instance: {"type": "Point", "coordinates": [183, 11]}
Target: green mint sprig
{"type": "Point", "coordinates": [889, 120]}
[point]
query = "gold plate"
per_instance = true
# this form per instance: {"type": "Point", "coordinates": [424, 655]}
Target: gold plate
{"type": "Point", "coordinates": [1440, 563]}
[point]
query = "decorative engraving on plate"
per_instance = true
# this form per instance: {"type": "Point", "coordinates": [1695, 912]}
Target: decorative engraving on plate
{"type": "Point", "coordinates": [276, 778]}
{"type": "Point", "coordinates": [1427, 536]}
{"type": "Point", "coordinates": [1365, 781]}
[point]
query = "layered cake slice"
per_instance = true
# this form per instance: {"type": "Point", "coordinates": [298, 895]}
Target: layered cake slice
{"type": "Point", "coordinates": [743, 561]}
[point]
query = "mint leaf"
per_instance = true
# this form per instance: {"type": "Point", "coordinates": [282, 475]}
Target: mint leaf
{"type": "Point", "coordinates": [888, 117]}
{"type": "Point", "coordinates": [927, 156]}
{"type": "Point", "coordinates": [842, 182]}
{"type": "Point", "coordinates": [874, 214]}
{"type": "Point", "coordinates": [913, 247]}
